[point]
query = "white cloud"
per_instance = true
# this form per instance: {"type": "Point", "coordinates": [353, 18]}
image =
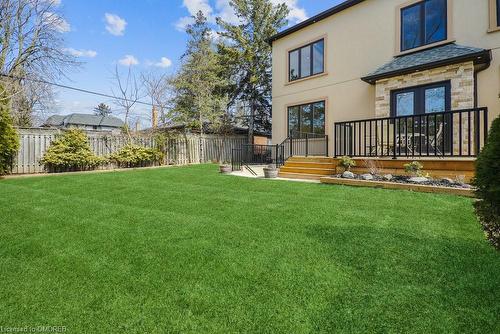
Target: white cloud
{"type": "Point", "coordinates": [128, 60]}
{"type": "Point", "coordinates": [164, 62]}
{"type": "Point", "coordinates": [224, 10]}
{"type": "Point", "coordinates": [194, 6]}
{"type": "Point", "coordinates": [56, 22]}
{"type": "Point", "coordinates": [297, 14]}
{"type": "Point", "coordinates": [115, 25]}
{"type": "Point", "coordinates": [183, 22]}
{"type": "Point", "coordinates": [81, 53]}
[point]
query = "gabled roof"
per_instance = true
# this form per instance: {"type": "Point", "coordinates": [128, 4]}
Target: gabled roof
{"type": "Point", "coordinates": [84, 119]}
{"type": "Point", "coordinates": [54, 120]}
{"type": "Point", "coordinates": [321, 16]}
{"type": "Point", "coordinates": [112, 122]}
{"type": "Point", "coordinates": [428, 59]}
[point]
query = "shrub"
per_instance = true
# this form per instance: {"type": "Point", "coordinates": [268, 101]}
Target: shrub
{"type": "Point", "coordinates": [137, 156]}
{"type": "Point", "coordinates": [347, 163]}
{"type": "Point", "coordinates": [9, 139]}
{"type": "Point", "coordinates": [487, 181]}
{"type": "Point", "coordinates": [414, 168]}
{"type": "Point", "coordinates": [71, 152]}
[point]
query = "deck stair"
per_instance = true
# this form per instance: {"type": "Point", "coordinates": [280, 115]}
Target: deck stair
{"type": "Point", "coordinates": [311, 168]}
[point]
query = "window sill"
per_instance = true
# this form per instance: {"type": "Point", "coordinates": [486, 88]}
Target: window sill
{"type": "Point", "coordinates": [421, 48]}
{"type": "Point", "coordinates": [494, 29]}
{"type": "Point", "coordinates": [288, 83]}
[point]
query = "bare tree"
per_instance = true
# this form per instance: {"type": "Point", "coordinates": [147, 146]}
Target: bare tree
{"type": "Point", "coordinates": [159, 89]}
{"type": "Point", "coordinates": [127, 93]}
{"type": "Point", "coordinates": [31, 46]}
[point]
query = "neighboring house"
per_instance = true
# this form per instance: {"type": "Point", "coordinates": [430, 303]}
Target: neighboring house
{"type": "Point", "coordinates": [85, 122]}
{"type": "Point", "coordinates": [390, 77]}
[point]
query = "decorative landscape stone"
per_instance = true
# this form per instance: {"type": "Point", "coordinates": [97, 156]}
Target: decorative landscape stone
{"type": "Point", "coordinates": [348, 175]}
{"type": "Point", "coordinates": [418, 179]}
{"type": "Point", "coordinates": [367, 177]}
{"type": "Point", "coordinates": [387, 177]}
{"type": "Point", "coordinates": [447, 180]}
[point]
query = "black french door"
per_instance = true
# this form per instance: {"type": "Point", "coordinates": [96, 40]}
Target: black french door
{"type": "Point", "coordinates": [421, 102]}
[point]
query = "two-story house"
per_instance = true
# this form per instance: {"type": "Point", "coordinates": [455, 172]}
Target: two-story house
{"type": "Point", "coordinates": [388, 78]}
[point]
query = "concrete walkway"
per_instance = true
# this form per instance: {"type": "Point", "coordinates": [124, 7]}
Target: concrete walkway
{"type": "Point", "coordinates": [259, 170]}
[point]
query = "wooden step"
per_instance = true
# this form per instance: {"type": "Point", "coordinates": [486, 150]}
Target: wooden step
{"type": "Point", "coordinates": [301, 170]}
{"type": "Point", "coordinates": [313, 159]}
{"type": "Point", "coordinates": [300, 176]}
{"type": "Point", "coordinates": [308, 164]}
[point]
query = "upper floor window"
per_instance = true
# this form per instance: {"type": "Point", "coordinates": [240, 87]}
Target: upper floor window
{"type": "Point", "coordinates": [498, 12]}
{"type": "Point", "coordinates": [423, 23]}
{"type": "Point", "coordinates": [306, 61]}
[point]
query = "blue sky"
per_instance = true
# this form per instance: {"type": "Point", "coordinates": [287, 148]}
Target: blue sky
{"type": "Point", "coordinates": [144, 34]}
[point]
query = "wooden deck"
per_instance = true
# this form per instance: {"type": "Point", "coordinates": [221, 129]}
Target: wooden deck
{"type": "Point", "coordinates": [317, 167]}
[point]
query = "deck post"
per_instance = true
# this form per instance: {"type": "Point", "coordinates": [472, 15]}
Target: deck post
{"type": "Point", "coordinates": [326, 144]}
{"type": "Point", "coordinates": [394, 141]}
{"type": "Point", "coordinates": [307, 144]}
{"type": "Point", "coordinates": [334, 140]}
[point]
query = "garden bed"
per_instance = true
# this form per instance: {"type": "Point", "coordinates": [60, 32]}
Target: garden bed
{"type": "Point", "coordinates": [403, 183]}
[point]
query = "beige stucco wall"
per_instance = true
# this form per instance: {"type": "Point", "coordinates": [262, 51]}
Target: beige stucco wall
{"type": "Point", "coordinates": [361, 39]}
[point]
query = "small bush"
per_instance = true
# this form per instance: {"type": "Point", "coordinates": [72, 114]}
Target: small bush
{"type": "Point", "coordinates": [9, 139]}
{"type": "Point", "coordinates": [71, 152]}
{"type": "Point", "coordinates": [347, 163]}
{"type": "Point", "coordinates": [487, 181]}
{"type": "Point", "coordinates": [137, 156]}
{"type": "Point", "coordinates": [414, 168]}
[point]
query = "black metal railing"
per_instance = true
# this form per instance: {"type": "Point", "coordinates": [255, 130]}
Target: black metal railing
{"type": "Point", "coordinates": [297, 144]}
{"type": "Point", "coordinates": [459, 133]}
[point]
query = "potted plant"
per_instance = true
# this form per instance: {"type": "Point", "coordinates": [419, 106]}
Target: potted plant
{"type": "Point", "coordinates": [271, 172]}
{"type": "Point", "coordinates": [225, 168]}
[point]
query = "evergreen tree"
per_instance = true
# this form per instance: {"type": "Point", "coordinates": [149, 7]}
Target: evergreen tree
{"type": "Point", "coordinates": [246, 55]}
{"type": "Point", "coordinates": [198, 84]}
{"type": "Point", "coordinates": [9, 140]}
{"type": "Point", "coordinates": [102, 110]}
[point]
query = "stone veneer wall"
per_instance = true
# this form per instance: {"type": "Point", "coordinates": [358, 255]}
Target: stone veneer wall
{"type": "Point", "coordinates": [460, 75]}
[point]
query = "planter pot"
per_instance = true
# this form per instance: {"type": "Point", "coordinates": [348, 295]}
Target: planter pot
{"type": "Point", "coordinates": [225, 169]}
{"type": "Point", "coordinates": [270, 173]}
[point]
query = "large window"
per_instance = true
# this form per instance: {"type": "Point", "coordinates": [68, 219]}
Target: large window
{"type": "Point", "coordinates": [423, 23]}
{"type": "Point", "coordinates": [306, 61]}
{"type": "Point", "coordinates": [306, 119]}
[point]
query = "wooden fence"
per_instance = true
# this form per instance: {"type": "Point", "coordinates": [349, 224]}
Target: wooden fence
{"type": "Point", "coordinates": [188, 149]}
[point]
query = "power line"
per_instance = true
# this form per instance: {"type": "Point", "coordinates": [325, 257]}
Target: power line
{"type": "Point", "coordinates": [77, 89]}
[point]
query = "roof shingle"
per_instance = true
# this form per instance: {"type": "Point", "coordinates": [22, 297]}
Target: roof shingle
{"type": "Point", "coordinates": [430, 58]}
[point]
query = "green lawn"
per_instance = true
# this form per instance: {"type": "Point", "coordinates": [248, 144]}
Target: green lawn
{"type": "Point", "coordinates": [188, 250]}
